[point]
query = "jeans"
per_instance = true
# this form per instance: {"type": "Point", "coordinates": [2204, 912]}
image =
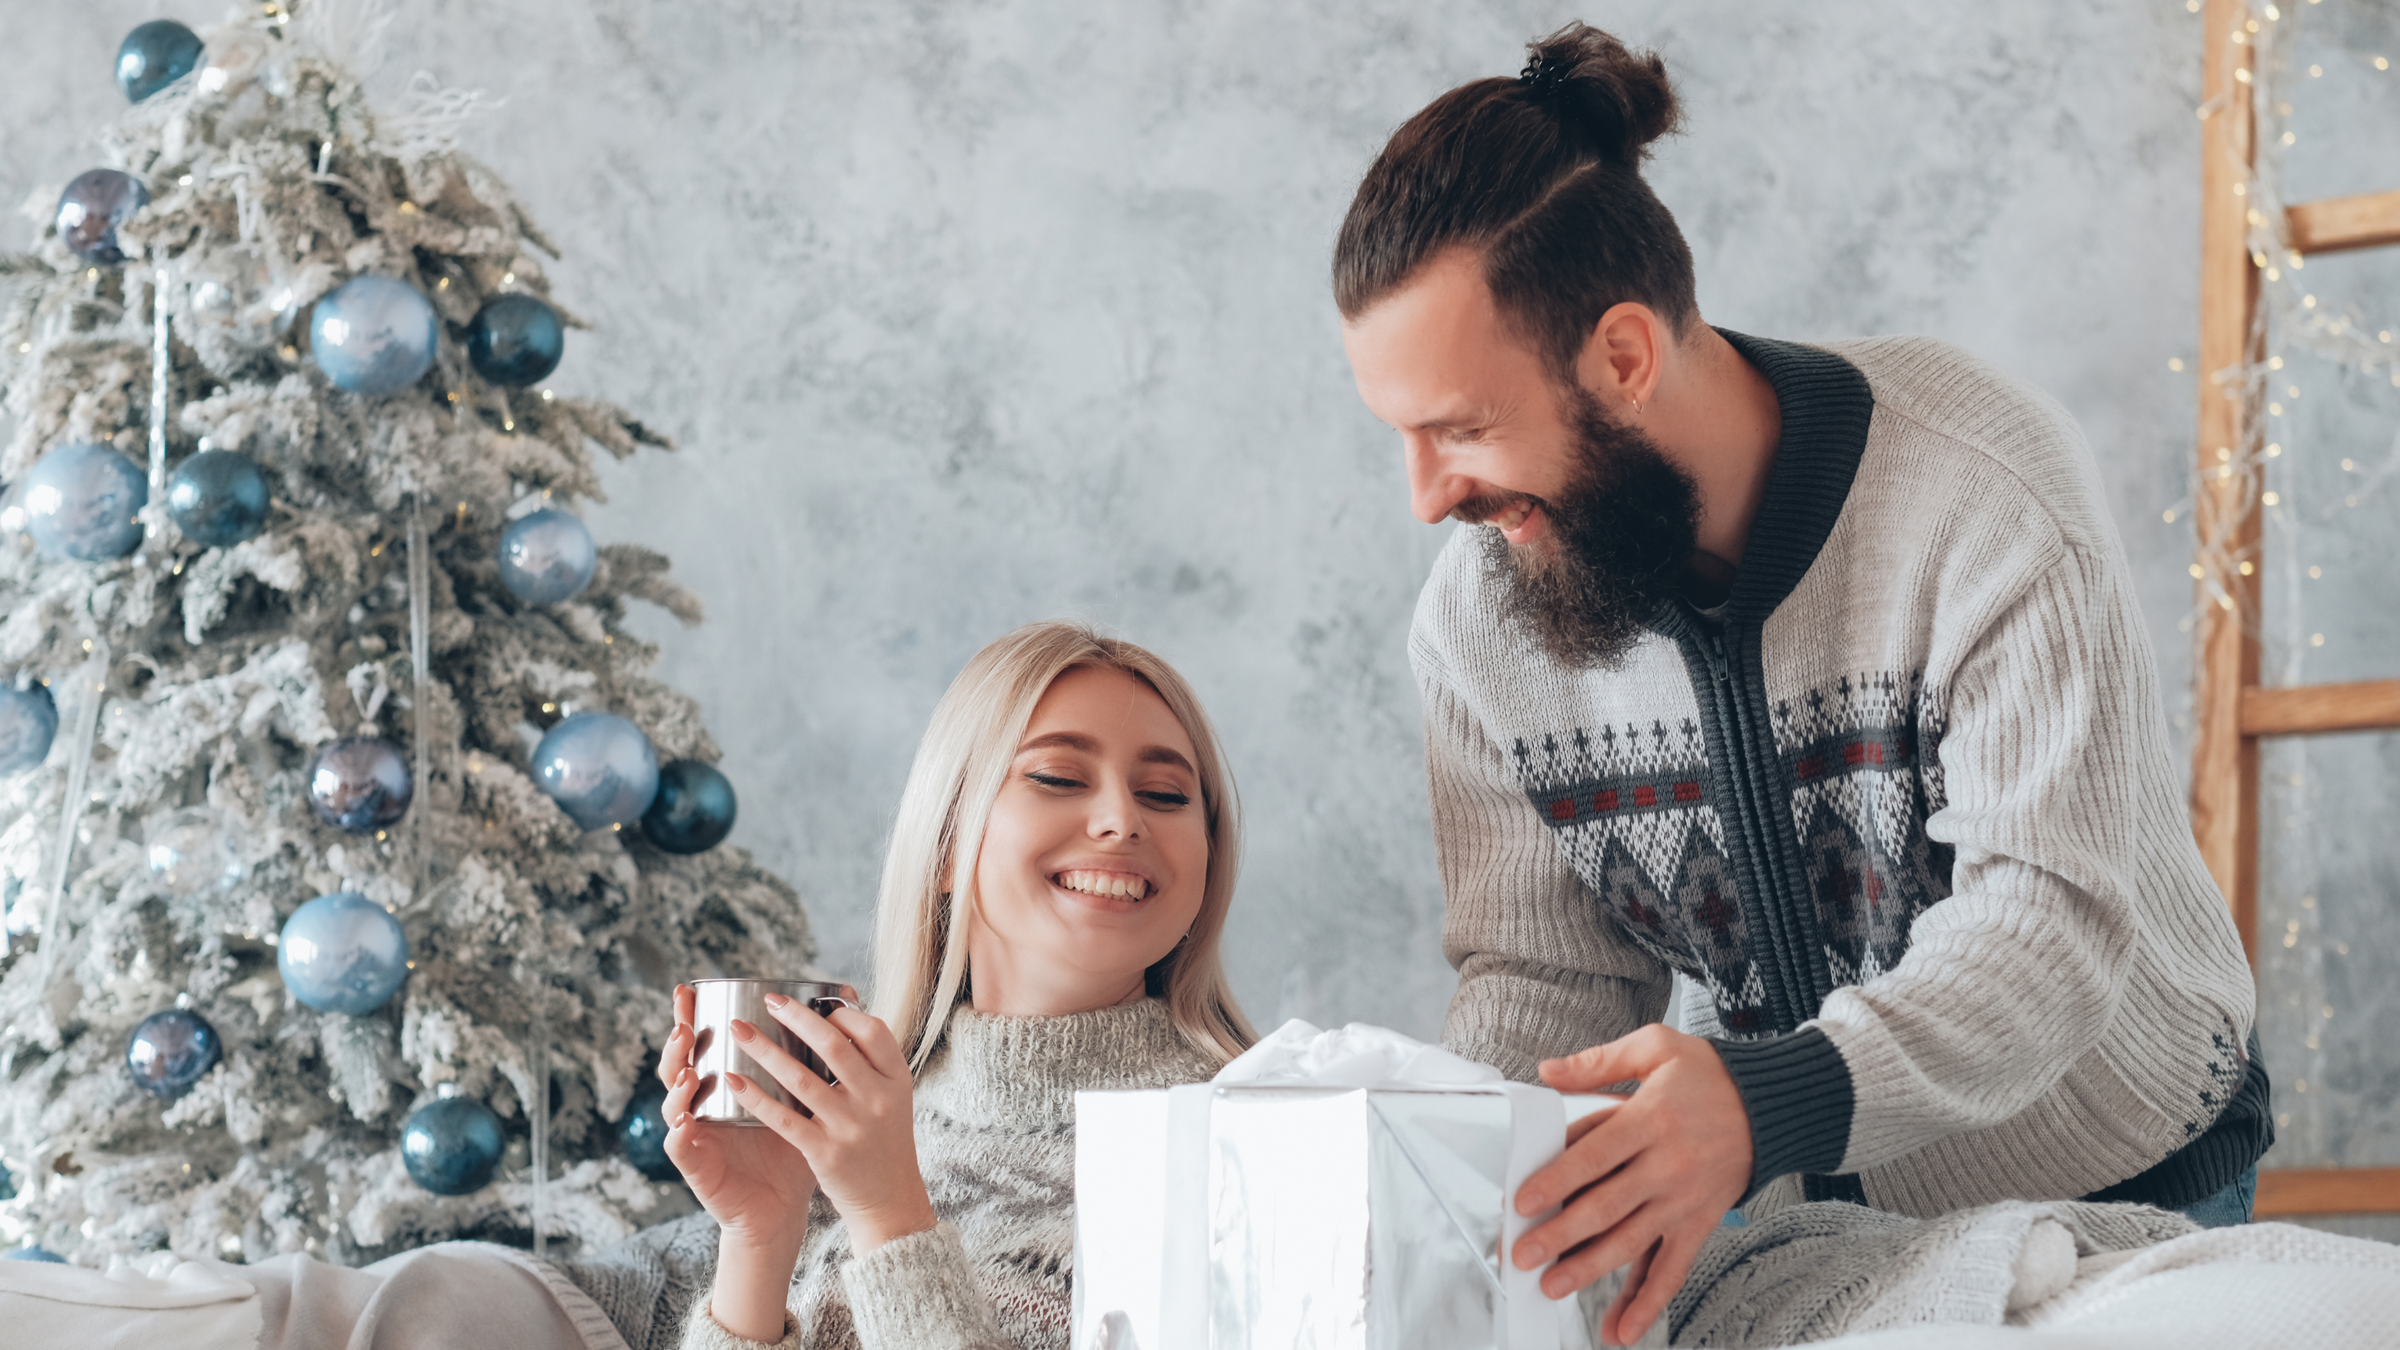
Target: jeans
{"type": "Point", "coordinates": [2227, 1207]}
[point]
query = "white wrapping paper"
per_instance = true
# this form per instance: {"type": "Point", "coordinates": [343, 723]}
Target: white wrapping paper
{"type": "Point", "coordinates": [1330, 1190]}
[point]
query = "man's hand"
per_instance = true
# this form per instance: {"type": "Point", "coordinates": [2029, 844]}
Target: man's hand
{"type": "Point", "coordinates": [1643, 1183]}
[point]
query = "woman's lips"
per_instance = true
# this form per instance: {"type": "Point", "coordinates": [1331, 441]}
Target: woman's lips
{"type": "Point", "coordinates": [1104, 884]}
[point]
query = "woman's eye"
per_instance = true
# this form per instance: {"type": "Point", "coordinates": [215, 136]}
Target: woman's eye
{"type": "Point", "coordinates": [1169, 800]}
{"type": "Point", "coordinates": [1051, 780]}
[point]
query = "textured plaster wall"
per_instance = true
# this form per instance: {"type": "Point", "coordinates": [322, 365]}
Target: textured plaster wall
{"type": "Point", "coordinates": [968, 314]}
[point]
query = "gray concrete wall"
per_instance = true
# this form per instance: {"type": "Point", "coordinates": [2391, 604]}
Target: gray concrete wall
{"type": "Point", "coordinates": [968, 314]}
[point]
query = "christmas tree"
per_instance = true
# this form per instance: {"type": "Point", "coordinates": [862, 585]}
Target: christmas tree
{"type": "Point", "coordinates": [347, 854]}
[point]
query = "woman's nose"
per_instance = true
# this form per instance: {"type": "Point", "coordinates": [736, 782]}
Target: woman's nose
{"type": "Point", "coordinates": [1116, 813]}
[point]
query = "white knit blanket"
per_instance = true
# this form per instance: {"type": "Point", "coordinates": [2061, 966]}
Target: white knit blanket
{"type": "Point", "coordinates": [2020, 1276]}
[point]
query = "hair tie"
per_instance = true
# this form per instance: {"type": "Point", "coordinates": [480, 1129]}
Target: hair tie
{"type": "Point", "coordinates": [1544, 76]}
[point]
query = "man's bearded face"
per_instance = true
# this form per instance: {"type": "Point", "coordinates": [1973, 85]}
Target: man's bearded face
{"type": "Point", "coordinates": [1621, 534]}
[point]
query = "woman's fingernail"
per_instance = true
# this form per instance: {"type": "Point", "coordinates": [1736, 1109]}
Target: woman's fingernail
{"type": "Point", "coordinates": [685, 1076]}
{"type": "Point", "coordinates": [778, 1000]}
{"type": "Point", "coordinates": [737, 1082]}
{"type": "Point", "coordinates": [1529, 1255]}
{"type": "Point", "coordinates": [742, 1030]}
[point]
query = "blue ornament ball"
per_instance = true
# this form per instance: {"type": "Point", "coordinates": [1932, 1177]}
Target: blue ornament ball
{"type": "Point", "coordinates": [342, 953]}
{"type": "Point", "coordinates": [547, 557]}
{"type": "Point", "coordinates": [373, 335]}
{"type": "Point", "coordinates": [515, 339]}
{"type": "Point", "coordinates": [599, 768]}
{"type": "Point", "coordinates": [28, 723]}
{"type": "Point", "coordinates": [95, 203]}
{"type": "Point", "coordinates": [154, 56]}
{"type": "Point", "coordinates": [84, 501]}
{"type": "Point", "coordinates": [217, 498]}
{"type": "Point", "coordinates": [452, 1146]}
{"type": "Point", "coordinates": [170, 1051]}
{"type": "Point", "coordinates": [693, 811]}
{"type": "Point", "coordinates": [360, 783]}
{"type": "Point", "coordinates": [643, 1133]}
{"type": "Point", "coordinates": [33, 1254]}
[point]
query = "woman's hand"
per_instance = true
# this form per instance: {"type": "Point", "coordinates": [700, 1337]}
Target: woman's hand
{"type": "Point", "coordinates": [754, 1184]}
{"type": "Point", "coordinates": [860, 1134]}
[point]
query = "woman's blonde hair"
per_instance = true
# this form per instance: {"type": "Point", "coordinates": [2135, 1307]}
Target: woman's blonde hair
{"type": "Point", "coordinates": [928, 892]}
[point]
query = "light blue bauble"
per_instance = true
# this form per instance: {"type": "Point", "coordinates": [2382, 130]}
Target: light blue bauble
{"type": "Point", "coordinates": [547, 557]}
{"type": "Point", "coordinates": [373, 335]}
{"type": "Point", "coordinates": [28, 724]}
{"type": "Point", "coordinates": [33, 1254]}
{"type": "Point", "coordinates": [84, 501]}
{"type": "Point", "coordinates": [599, 768]}
{"type": "Point", "coordinates": [342, 953]}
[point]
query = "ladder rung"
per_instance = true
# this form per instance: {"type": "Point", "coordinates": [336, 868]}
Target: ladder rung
{"type": "Point", "coordinates": [2328, 1190]}
{"type": "Point", "coordinates": [2345, 222]}
{"type": "Point", "coordinates": [2368, 705]}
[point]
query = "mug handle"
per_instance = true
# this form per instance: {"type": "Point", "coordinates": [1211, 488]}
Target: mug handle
{"type": "Point", "coordinates": [819, 1005]}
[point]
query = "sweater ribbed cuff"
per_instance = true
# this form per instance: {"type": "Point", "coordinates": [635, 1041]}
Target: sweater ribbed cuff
{"type": "Point", "coordinates": [1797, 1091]}
{"type": "Point", "coordinates": [919, 1293]}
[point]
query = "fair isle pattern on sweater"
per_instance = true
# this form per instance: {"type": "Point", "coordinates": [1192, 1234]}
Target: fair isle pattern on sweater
{"type": "Point", "coordinates": [1634, 816]}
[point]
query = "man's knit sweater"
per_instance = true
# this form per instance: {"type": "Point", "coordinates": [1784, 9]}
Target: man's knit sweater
{"type": "Point", "coordinates": [995, 1121]}
{"type": "Point", "coordinates": [1903, 807]}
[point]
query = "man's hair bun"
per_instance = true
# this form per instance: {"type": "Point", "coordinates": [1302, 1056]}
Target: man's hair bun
{"type": "Point", "coordinates": [1616, 101]}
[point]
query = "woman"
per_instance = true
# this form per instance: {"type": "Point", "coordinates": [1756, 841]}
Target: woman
{"type": "Point", "coordinates": [1049, 922]}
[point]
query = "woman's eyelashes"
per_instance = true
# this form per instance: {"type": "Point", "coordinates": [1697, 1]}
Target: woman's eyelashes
{"type": "Point", "coordinates": [1158, 798]}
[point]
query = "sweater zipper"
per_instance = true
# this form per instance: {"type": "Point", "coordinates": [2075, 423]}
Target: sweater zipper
{"type": "Point", "coordinates": [1790, 988]}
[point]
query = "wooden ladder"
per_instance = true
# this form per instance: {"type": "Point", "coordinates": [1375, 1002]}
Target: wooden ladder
{"type": "Point", "coordinates": [2231, 709]}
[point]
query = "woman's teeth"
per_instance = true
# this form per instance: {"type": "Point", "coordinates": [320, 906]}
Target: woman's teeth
{"type": "Point", "coordinates": [1115, 884]}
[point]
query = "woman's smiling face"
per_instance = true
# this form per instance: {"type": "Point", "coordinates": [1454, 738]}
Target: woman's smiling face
{"type": "Point", "coordinates": [1095, 859]}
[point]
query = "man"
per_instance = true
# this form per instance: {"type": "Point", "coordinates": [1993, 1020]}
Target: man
{"type": "Point", "coordinates": [1813, 673]}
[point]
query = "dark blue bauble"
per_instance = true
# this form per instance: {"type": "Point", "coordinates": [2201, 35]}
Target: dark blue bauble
{"type": "Point", "coordinates": [599, 768]}
{"type": "Point", "coordinates": [28, 723]}
{"type": "Point", "coordinates": [342, 953]}
{"type": "Point", "coordinates": [217, 498]}
{"type": "Point", "coordinates": [373, 335]}
{"type": "Point", "coordinates": [8, 1184]}
{"type": "Point", "coordinates": [547, 557]}
{"type": "Point", "coordinates": [33, 1254]}
{"type": "Point", "coordinates": [452, 1146]}
{"type": "Point", "coordinates": [515, 339]}
{"type": "Point", "coordinates": [693, 811]}
{"type": "Point", "coordinates": [643, 1133]}
{"type": "Point", "coordinates": [91, 209]}
{"type": "Point", "coordinates": [154, 56]}
{"type": "Point", "coordinates": [84, 501]}
{"type": "Point", "coordinates": [360, 783]}
{"type": "Point", "coordinates": [170, 1051]}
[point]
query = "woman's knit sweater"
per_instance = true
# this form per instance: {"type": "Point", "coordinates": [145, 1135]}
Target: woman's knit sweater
{"type": "Point", "coordinates": [995, 1120]}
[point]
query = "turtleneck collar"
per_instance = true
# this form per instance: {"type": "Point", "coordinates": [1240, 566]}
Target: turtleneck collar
{"type": "Point", "coordinates": [1025, 1071]}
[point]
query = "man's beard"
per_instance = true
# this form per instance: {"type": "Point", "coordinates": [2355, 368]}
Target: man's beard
{"type": "Point", "coordinates": [1621, 535]}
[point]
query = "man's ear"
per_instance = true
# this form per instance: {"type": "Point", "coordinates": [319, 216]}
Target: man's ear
{"type": "Point", "coordinates": [1625, 356]}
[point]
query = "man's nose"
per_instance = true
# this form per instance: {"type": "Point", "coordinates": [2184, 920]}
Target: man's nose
{"type": "Point", "coordinates": [1434, 488]}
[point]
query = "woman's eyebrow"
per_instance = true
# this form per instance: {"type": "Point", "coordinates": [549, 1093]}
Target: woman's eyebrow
{"type": "Point", "coordinates": [1071, 740]}
{"type": "Point", "coordinates": [1160, 754]}
{"type": "Point", "coordinates": [1076, 740]}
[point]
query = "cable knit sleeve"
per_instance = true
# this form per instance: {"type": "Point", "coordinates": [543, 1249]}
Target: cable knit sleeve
{"type": "Point", "coordinates": [919, 1293]}
{"type": "Point", "coordinates": [1542, 971]}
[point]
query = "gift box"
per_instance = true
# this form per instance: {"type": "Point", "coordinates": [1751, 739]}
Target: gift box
{"type": "Point", "coordinates": [1343, 1190]}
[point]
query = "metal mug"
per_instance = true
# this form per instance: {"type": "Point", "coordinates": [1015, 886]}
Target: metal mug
{"type": "Point", "coordinates": [715, 1005]}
